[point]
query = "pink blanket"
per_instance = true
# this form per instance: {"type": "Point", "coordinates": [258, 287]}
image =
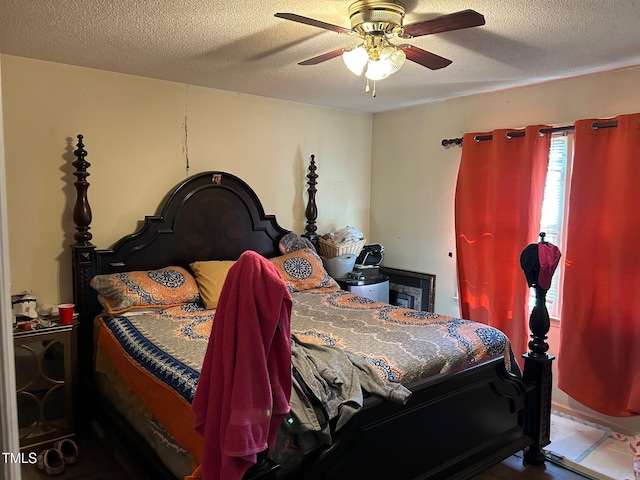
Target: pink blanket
{"type": "Point", "coordinates": [245, 383]}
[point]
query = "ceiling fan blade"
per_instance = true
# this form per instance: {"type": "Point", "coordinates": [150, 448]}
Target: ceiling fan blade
{"type": "Point", "coordinates": [323, 58]}
{"type": "Point", "coordinates": [314, 23]}
{"type": "Point", "coordinates": [424, 58]}
{"type": "Point", "coordinates": [446, 23]}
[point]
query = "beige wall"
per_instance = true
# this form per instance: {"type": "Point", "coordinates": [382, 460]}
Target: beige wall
{"type": "Point", "coordinates": [413, 177]}
{"type": "Point", "coordinates": [134, 132]}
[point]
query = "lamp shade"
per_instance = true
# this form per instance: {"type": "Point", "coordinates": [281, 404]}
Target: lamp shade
{"type": "Point", "coordinates": [356, 59]}
{"type": "Point", "coordinates": [378, 69]}
{"type": "Point", "coordinates": [396, 57]}
{"type": "Point", "coordinates": [390, 61]}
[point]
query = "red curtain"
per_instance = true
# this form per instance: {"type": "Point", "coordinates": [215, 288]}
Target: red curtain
{"type": "Point", "coordinates": [599, 355]}
{"type": "Point", "coordinates": [497, 214]}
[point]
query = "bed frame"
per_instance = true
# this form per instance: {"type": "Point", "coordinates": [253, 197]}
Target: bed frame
{"type": "Point", "coordinates": [454, 426]}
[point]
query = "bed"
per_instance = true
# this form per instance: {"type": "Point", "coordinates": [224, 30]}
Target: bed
{"type": "Point", "coordinates": [461, 418]}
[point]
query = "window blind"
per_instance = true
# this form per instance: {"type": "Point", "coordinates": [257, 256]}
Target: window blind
{"type": "Point", "coordinates": [553, 212]}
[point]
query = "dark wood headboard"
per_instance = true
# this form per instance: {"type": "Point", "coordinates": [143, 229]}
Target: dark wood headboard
{"type": "Point", "coordinates": [208, 216]}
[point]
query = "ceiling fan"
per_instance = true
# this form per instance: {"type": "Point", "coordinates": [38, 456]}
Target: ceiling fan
{"type": "Point", "coordinates": [376, 23]}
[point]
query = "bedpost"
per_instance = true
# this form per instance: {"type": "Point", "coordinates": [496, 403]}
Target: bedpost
{"type": "Point", "coordinates": [83, 257]}
{"type": "Point", "coordinates": [81, 210]}
{"type": "Point", "coordinates": [537, 374]}
{"type": "Point", "coordinates": [311, 213]}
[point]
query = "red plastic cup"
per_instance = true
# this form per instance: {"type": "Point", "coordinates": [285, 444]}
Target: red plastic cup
{"type": "Point", "coordinates": [66, 313]}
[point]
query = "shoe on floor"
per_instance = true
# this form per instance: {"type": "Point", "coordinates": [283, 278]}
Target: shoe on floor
{"type": "Point", "coordinates": [68, 450]}
{"type": "Point", "coordinates": [51, 461]}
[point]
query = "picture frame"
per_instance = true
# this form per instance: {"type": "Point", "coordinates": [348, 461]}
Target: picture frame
{"type": "Point", "coordinates": [420, 286]}
{"type": "Point", "coordinates": [404, 300]}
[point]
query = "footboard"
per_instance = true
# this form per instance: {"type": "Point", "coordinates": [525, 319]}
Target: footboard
{"type": "Point", "coordinates": [453, 426]}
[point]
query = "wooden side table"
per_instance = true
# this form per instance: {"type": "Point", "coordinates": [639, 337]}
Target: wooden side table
{"type": "Point", "coordinates": [46, 369]}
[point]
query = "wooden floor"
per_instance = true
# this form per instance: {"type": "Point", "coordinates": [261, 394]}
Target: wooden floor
{"type": "Point", "coordinates": [98, 461]}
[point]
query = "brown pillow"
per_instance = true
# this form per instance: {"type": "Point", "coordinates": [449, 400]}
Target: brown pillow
{"type": "Point", "coordinates": [210, 276]}
{"type": "Point", "coordinates": [119, 292]}
{"type": "Point", "coordinates": [303, 270]}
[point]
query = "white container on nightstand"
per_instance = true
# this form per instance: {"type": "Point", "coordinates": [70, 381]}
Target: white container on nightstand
{"type": "Point", "coordinates": [374, 288]}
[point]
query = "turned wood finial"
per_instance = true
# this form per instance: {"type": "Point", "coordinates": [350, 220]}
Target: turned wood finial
{"type": "Point", "coordinates": [539, 324]}
{"type": "Point", "coordinates": [81, 210]}
{"type": "Point", "coordinates": [311, 213]}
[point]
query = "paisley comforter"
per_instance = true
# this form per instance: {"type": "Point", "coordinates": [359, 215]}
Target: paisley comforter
{"type": "Point", "coordinates": [159, 353]}
{"type": "Point", "coordinates": [403, 345]}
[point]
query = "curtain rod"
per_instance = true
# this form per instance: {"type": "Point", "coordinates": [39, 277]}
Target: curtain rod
{"type": "Point", "coordinates": [520, 133]}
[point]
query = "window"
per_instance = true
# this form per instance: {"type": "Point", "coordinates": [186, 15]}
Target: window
{"type": "Point", "coordinates": [554, 208]}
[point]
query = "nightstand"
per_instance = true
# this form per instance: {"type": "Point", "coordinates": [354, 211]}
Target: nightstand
{"type": "Point", "coordinates": [45, 361]}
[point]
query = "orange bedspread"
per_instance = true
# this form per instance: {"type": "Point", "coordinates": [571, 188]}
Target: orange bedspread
{"type": "Point", "coordinates": [169, 408]}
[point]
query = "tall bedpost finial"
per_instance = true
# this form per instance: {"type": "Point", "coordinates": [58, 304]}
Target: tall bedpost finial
{"type": "Point", "coordinates": [538, 374]}
{"type": "Point", "coordinates": [83, 260]}
{"type": "Point", "coordinates": [537, 364]}
{"type": "Point", "coordinates": [539, 324]}
{"type": "Point", "coordinates": [311, 213]}
{"type": "Point", "coordinates": [81, 210]}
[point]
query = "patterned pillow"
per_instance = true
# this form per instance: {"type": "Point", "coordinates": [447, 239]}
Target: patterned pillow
{"type": "Point", "coordinates": [303, 270]}
{"type": "Point", "coordinates": [210, 276]}
{"type": "Point", "coordinates": [119, 292]}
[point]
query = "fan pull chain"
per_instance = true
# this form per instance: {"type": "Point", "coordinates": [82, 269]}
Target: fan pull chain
{"type": "Point", "coordinates": [367, 89]}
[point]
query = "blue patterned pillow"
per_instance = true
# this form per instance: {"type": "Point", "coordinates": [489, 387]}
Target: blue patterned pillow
{"type": "Point", "coordinates": [303, 270]}
{"type": "Point", "coordinates": [119, 292]}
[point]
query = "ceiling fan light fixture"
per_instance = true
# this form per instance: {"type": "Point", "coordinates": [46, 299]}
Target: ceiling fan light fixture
{"type": "Point", "coordinates": [378, 69]}
{"type": "Point", "coordinates": [376, 23]}
{"type": "Point", "coordinates": [387, 62]}
{"type": "Point", "coordinates": [356, 59]}
{"type": "Point", "coordinates": [394, 56]}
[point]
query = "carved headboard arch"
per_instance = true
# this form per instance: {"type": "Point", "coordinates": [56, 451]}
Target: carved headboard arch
{"type": "Point", "coordinates": [209, 216]}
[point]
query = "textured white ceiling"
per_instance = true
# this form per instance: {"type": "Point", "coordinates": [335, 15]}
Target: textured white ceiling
{"type": "Point", "coordinates": [242, 47]}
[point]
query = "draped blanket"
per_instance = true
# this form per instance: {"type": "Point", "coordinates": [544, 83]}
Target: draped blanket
{"type": "Point", "coordinates": [329, 384]}
{"type": "Point", "coordinates": [245, 383]}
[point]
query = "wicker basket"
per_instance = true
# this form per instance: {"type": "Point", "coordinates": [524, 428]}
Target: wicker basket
{"type": "Point", "coordinates": [329, 250]}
